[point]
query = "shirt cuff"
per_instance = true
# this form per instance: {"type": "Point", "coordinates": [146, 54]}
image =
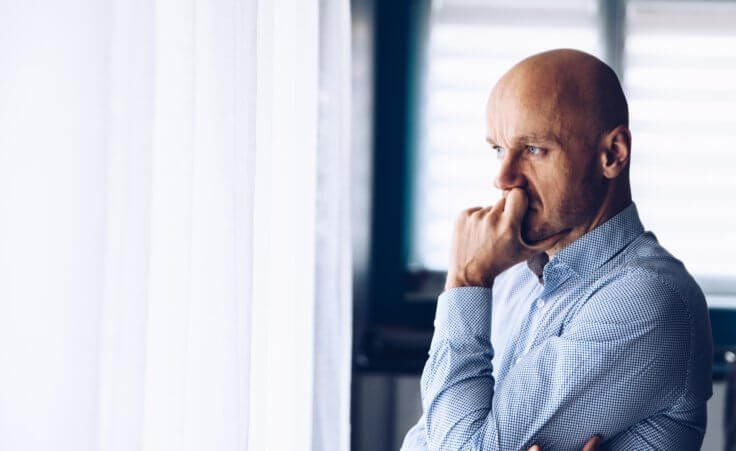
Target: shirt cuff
{"type": "Point", "coordinates": [462, 312]}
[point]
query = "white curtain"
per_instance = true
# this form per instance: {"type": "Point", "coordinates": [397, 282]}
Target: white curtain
{"type": "Point", "coordinates": [174, 236]}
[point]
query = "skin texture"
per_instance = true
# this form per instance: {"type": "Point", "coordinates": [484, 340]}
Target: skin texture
{"type": "Point", "coordinates": [542, 102]}
{"type": "Point", "coordinates": [590, 445]}
{"type": "Point", "coordinates": [558, 122]}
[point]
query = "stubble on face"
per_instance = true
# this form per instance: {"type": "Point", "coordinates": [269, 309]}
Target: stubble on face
{"type": "Point", "coordinates": [542, 96]}
{"type": "Point", "coordinates": [567, 204]}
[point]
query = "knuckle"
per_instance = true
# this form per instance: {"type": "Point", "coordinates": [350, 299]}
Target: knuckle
{"type": "Point", "coordinates": [462, 218]}
{"type": "Point", "coordinates": [506, 233]}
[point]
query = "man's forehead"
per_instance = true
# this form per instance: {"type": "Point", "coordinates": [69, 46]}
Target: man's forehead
{"type": "Point", "coordinates": [542, 99]}
{"type": "Point", "coordinates": [522, 138]}
{"type": "Point", "coordinates": [523, 121]}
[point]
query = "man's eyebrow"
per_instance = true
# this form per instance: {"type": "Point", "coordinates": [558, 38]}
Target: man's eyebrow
{"type": "Point", "coordinates": [532, 137]}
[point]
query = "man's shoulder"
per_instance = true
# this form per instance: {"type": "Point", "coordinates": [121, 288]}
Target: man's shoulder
{"type": "Point", "coordinates": [652, 290]}
{"type": "Point", "coordinates": [646, 281]}
{"type": "Point", "coordinates": [650, 265]}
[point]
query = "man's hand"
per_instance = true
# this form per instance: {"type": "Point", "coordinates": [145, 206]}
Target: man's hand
{"type": "Point", "coordinates": [486, 241]}
{"type": "Point", "coordinates": [590, 445]}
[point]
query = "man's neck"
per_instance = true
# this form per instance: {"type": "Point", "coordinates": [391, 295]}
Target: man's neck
{"type": "Point", "coordinates": [612, 204]}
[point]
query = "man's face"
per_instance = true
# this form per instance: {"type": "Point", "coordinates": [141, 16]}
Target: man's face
{"type": "Point", "coordinates": [545, 150]}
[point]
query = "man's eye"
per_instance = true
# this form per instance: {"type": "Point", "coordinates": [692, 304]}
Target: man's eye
{"type": "Point", "coordinates": [534, 150]}
{"type": "Point", "coordinates": [500, 151]}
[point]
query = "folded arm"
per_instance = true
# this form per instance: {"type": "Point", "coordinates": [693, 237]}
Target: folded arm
{"type": "Point", "coordinates": [616, 364]}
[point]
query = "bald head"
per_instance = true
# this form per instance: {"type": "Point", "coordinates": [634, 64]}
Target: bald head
{"type": "Point", "coordinates": [579, 89]}
{"type": "Point", "coordinates": [558, 121]}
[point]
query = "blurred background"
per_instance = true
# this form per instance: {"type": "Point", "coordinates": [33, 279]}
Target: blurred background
{"type": "Point", "coordinates": [422, 71]}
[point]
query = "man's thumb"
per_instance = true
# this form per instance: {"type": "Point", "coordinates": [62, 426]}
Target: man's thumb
{"type": "Point", "coordinates": [592, 443]}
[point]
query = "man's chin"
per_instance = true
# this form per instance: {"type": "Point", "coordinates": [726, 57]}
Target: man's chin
{"type": "Point", "coordinates": [533, 235]}
{"type": "Point", "coordinates": [532, 229]}
{"type": "Point", "coordinates": [531, 241]}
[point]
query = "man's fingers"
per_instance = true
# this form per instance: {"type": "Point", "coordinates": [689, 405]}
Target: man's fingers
{"type": "Point", "coordinates": [498, 208]}
{"type": "Point", "coordinates": [500, 204]}
{"type": "Point", "coordinates": [516, 204]}
{"type": "Point", "coordinates": [592, 443]}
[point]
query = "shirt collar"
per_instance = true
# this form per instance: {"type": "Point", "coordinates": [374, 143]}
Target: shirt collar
{"type": "Point", "coordinates": [592, 250]}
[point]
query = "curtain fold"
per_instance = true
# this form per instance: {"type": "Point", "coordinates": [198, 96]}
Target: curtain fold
{"type": "Point", "coordinates": [284, 224]}
{"type": "Point", "coordinates": [174, 242]}
{"type": "Point", "coordinates": [333, 316]}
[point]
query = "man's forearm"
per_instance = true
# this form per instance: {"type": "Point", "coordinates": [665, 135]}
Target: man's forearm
{"type": "Point", "coordinates": [457, 383]}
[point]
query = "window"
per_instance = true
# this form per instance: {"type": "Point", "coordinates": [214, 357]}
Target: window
{"type": "Point", "coordinates": [471, 44]}
{"type": "Point", "coordinates": [679, 73]}
{"type": "Point", "coordinates": [679, 63]}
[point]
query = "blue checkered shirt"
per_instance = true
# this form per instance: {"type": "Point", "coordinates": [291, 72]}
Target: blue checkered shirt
{"type": "Point", "coordinates": [615, 342]}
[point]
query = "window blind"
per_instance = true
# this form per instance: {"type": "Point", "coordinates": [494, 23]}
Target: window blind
{"type": "Point", "coordinates": [680, 79]}
{"type": "Point", "coordinates": [471, 44]}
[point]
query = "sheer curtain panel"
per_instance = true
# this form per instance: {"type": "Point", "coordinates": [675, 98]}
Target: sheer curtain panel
{"type": "Point", "coordinates": [174, 235]}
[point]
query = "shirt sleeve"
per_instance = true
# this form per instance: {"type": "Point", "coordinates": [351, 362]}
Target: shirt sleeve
{"type": "Point", "coordinates": [415, 438]}
{"type": "Point", "coordinates": [622, 359]}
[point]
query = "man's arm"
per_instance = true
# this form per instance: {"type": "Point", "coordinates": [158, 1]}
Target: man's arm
{"type": "Point", "coordinates": [622, 360]}
{"type": "Point", "coordinates": [416, 437]}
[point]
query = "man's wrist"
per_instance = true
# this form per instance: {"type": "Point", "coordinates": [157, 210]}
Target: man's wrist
{"type": "Point", "coordinates": [467, 278]}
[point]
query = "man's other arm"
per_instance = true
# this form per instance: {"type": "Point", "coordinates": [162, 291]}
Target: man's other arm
{"type": "Point", "coordinates": [613, 372]}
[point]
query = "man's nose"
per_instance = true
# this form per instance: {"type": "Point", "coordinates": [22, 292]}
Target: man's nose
{"type": "Point", "coordinates": [509, 176]}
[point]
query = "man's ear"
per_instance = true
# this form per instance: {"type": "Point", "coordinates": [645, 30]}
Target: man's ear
{"type": "Point", "coordinates": [616, 151]}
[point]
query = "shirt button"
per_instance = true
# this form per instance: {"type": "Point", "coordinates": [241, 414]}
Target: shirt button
{"type": "Point", "coordinates": [540, 303]}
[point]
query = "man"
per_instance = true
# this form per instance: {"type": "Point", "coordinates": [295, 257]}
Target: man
{"type": "Point", "coordinates": [563, 322]}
